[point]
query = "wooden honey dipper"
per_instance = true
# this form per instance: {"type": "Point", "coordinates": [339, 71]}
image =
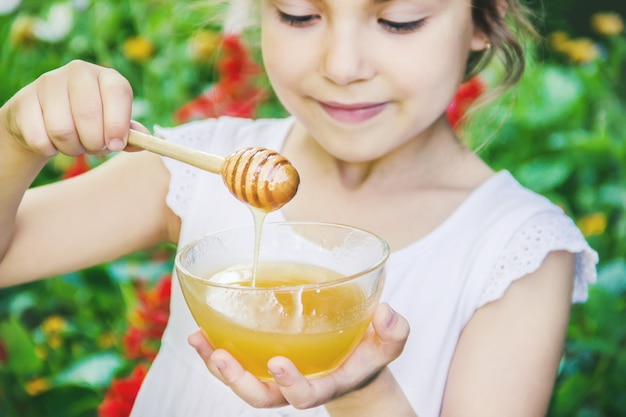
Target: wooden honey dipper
{"type": "Point", "coordinates": [259, 177]}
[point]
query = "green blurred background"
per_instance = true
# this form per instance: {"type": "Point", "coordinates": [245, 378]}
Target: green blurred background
{"type": "Point", "coordinates": [76, 345]}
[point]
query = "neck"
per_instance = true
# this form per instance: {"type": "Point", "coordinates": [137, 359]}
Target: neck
{"type": "Point", "coordinates": [420, 159]}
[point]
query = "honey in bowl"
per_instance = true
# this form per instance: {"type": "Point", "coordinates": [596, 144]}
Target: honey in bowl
{"type": "Point", "coordinates": [315, 290]}
{"type": "Point", "coordinates": [314, 327]}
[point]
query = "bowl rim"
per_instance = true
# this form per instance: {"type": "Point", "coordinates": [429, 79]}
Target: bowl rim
{"type": "Point", "coordinates": [381, 260]}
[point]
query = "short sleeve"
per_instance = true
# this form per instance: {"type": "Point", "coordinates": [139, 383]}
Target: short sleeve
{"type": "Point", "coordinates": [533, 241]}
{"type": "Point", "coordinates": [183, 176]}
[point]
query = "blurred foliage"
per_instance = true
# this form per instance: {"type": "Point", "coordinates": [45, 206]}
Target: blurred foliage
{"type": "Point", "coordinates": [147, 41]}
{"type": "Point", "coordinates": [561, 132]}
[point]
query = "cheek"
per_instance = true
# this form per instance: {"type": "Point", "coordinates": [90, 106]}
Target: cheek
{"type": "Point", "coordinates": [433, 72]}
{"type": "Point", "coordinates": [281, 71]}
{"type": "Point", "coordinates": [289, 65]}
{"type": "Point", "coordinates": [423, 90]}
{"type": "Point", "coordinates": [435, 62]}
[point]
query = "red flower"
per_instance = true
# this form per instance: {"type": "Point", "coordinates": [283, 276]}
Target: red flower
{"type": "Point", "coordinates": [141, 342]}
{"type": "Point", "coordinates": [120, 397]}
{"type": "Point", "coordinates": [79, 166]}
{"type": "Point", "coordinates": [466, 95]}
{"type": "Point", "coordinates": [234, 94]}
{"type": "Point", "coordinates": [133, 343]}
{"type": "Point", "coordinates": [149, 320]}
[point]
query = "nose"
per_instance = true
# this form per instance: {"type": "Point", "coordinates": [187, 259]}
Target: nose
{"type": "Point", "coordinates": [344, 56]}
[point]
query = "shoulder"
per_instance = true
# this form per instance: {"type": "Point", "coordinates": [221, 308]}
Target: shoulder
{"type": "Point", "coordinates": [502, 207]}
{"type": "Point", "coordinates": [525, 228]}
{"type": "Point", "coordinates": [506, 193]}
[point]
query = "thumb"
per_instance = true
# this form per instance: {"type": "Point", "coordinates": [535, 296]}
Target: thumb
{"type": "Point", "coordinates": [134, 125]}
{"type": "Point", "coordinates": [391, 328]}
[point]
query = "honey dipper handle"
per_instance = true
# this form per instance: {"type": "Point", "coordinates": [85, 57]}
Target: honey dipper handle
{"type": "Point", "coordinates": [202, 160]}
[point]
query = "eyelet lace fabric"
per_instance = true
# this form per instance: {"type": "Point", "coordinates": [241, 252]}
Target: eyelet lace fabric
{"type": "Point", "coordinates": [183, 176]}
{"type": "Point", "coordinates": [525, 252]}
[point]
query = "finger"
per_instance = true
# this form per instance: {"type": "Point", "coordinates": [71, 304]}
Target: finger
{"type": "Point", "coordinates": [25, 122]}
{"type": "Point", "coordinates": [140, 128]}
{"type": "Point", "coordinates": [225, 368]}
{"type": "Point", "coordinates": [381, 345]}
{"type": "Point", "coordinates": [199, 342]}
{"type": "Point", "coordinates": [86, 107]}
{"type": "Point", "coordinates": [201, 345]}
{"type": "Point", "coordinates": [250, 389]}
{"type": "Point", "coordinates": [57, 116]}
{"type": "Point", "coordinates": [117, 99]}
{"type": "Point", "coordinates": [391, 329]}
{"type": "Point", "coordinates": [296, 389]}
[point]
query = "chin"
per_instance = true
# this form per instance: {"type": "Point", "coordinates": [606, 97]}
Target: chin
{"type": "Point", "coordinates": [354, 154]}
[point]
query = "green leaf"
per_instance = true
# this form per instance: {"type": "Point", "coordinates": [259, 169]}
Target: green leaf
{"type": "Point", "coordinates": [613, 194]}
{"type": "Point", "coordinates": [20, 348]}
{"type": "Point", "coordinates": [96, 370]}
{"type": "Point", "coordinates": [66, 401]}
{"type": "Point", "coordinates": [21, 302]}
{"type": "Point", "coordinates": [612, 276]}
{"type": "Point", "coordinates": [550, 94]}
{"type": "Point", "coordinates": [544, 175]}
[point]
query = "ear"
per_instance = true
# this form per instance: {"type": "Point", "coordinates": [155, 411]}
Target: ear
{"type": "Point", "coordinates": [494, 12]}
{"type": "Point", "coordinates": [480, 41]}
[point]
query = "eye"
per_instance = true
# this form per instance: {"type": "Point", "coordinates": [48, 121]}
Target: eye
{"type": "Point", "coordinates": [297, 21]}
{"type": "Point", "coordinates": [402, 27]}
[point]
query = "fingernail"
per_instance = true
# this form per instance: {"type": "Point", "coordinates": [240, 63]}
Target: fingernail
{"type": "Point", "coordinates": [221, 365]}
{"type": "Point", "coordinates": [391, 317]}
{"type": "Point", "coordinates": [116, 145]}
{"type": "Point", "coordinates": [276, 371]}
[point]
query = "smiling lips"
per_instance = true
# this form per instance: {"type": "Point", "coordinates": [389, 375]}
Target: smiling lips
{"type": "Point", "coordinates": [352, 113]}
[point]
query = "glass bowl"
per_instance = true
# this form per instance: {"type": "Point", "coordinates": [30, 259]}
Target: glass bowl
{"type": "Point", "coordinates": [310, 297]}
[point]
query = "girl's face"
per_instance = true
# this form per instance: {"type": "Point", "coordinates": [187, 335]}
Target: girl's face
{"type": "Point", "coordinates": [366, 76]}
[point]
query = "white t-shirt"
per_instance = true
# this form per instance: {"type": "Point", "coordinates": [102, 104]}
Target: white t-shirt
{"type": "Point", "coordinates": [502, 232]}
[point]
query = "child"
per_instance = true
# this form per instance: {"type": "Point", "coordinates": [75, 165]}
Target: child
{"type": "Point", "coordinates": [483, 270]}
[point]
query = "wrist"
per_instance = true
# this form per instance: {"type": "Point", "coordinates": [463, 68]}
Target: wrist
{"type": "Point", "coordinates": [380, 395]}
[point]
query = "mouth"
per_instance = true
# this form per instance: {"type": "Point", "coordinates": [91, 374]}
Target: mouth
{"type": "Point", "coordinates": [352, 113]}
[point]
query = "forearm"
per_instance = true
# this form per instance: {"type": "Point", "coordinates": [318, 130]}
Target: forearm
{"type": "Point", "coordinates": [18, 169]}
{"type": "Point", "coordinates": [381, 397]}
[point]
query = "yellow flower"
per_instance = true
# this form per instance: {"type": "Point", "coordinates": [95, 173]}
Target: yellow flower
{"type": "Point", "coordinates": [55, 341]}
{"type": "Point", "coordinates": [106, 340]}
{"type": "Point", "coordinates": [53, 324]}
{"type": "Point", "coordinates": [22, 31]}
{"type": "Point", "coordinates": [36, 386]}
{"type": "Point", "coordinates": [581, 50]}
{"type": "Point", "coordinates": [204, 44]}
{"type": "Point", "coordinates": [607, 23]}
{"type": "Point", "coordinates": [138, 49]}
{"type": "Point", "coordinates": [593, 224]}
{"type": "Point", "coordinates": [41, 352]}
{"type": "Point", "coordinates": [558, 41]}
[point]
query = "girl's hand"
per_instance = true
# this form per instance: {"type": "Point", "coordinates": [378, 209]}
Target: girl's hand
{"type": "Point", "coordinates": [78, 108]}
{"type": "Point", "coordinates": [378, 348]}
